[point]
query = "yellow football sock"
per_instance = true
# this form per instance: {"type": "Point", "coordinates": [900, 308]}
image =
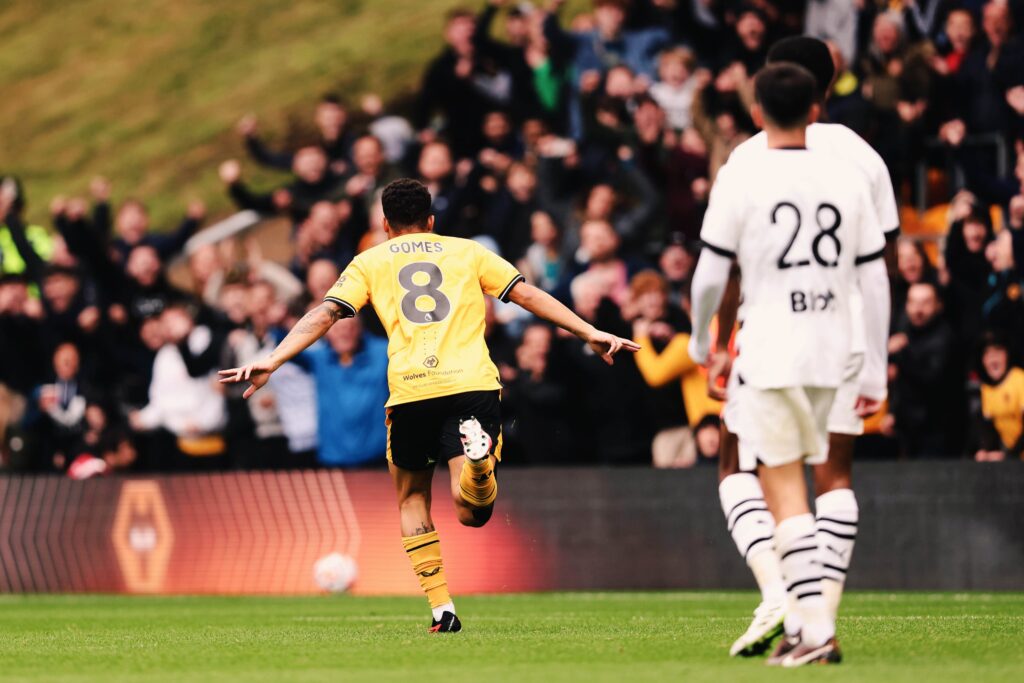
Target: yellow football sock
{"type": "Point", "coordinates": [424, 552]}
{"type": "Point", "coordinates": [477, 483]}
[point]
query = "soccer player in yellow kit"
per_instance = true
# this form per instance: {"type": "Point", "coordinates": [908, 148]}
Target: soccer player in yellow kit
{"type": "Point", "coordinates": [428, 291]}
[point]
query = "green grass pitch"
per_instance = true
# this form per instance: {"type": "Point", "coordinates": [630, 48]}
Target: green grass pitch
{"type": "Point", "coordinates": [584, 637]}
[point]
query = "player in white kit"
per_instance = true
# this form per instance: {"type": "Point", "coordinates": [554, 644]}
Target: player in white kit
{"type": "Point", "coordinates": [802, 226]}
{"type": "Point", "coordinates": [747, 517]}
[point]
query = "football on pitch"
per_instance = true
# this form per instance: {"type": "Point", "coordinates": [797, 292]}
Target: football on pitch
{"type": "Point", "coordinates": [335, 573]}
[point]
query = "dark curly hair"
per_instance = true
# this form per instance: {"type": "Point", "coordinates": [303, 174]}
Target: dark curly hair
{"type": "Point", "coordinates": [406, 204]}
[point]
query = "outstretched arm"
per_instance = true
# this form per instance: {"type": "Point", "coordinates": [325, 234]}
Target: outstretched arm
{"type": "Point", "coordinates": [545, 306]}
{"type": "Point", "coordinates": [310, 327]}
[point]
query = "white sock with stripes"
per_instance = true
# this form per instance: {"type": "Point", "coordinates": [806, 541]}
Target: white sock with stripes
{"type": "Point", "coordinates": [753, 529]}
{"type": "Point", "coordinates": [798, 551]}
{"type": "Point", "coordinates": [837, 515]}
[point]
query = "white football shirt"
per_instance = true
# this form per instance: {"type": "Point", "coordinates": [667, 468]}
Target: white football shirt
{"type": "Point", "coordinates": [838, 140]}
{"type": "Point", "coordinates": [798, 222]}
{"type": "Point", "coordinates": [843, 143]}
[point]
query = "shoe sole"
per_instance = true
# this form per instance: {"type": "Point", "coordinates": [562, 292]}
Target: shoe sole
{"type": "Point", "coordinates": [823, 655]}
{"type": "Point", "coordinates": [477, 435]}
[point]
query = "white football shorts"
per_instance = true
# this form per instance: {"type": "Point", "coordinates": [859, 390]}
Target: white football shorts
{"type": "Point", "coordinates": [781, 426]}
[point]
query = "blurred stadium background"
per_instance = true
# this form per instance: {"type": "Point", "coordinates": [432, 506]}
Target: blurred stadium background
{"type": "Point", "coordinates": [550, 153]}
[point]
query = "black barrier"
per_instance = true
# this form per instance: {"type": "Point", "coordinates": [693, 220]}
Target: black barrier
{"type": "Point", "coordinates": [939, 525]}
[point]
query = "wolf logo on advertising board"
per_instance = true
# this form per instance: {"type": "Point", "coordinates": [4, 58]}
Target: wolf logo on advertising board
{"type": "Point", "coordinates": [143, 536]}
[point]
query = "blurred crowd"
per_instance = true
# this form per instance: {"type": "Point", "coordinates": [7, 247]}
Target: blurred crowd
{"type": "Point", "coordinates": [582, 149]}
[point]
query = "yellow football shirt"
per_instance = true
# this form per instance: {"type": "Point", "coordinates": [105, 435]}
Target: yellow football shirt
{"type": "Point", "coordinates": [1003, 403]}
{"type": "Point", "coordinates": [428, 291]}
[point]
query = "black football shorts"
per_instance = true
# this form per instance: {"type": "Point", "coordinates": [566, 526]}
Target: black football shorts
{"type": "Point", "coordinates": [422, 433]}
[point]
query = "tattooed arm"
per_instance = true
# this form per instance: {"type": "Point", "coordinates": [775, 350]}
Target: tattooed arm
{"type": "Point", "coordinates": [311, 327]}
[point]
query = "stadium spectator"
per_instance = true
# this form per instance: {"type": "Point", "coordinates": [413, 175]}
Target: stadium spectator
{"type": "Point", "coordinates": [719, 115]}
{"type": "Point", "coordinates": [676, 86]}
{"type": "Point", "coordinates": [834, 21]}
{"type": "Point", "coordinates": [967, 273]}
{"type": "Point", "coordinates": [550, 71]}
{"type": "Point", "coordinates": [255, 431]}
{"type": "Point", "coordinates": [510, 218]}
{"type": "Point", "coordinates": [184, 418]}
{"type": "Point", "coordinates": [609, 43]}
{"type": "Point", "coordinates": [350, 372]}
{"type": "Point", "coordinates": [313, 181]}
{"type": "Point", "coordinates": [23, 248]}
{"type": "Point", "coordinates": [394, 132]}
{"type": "Point", "coordinates": [912, 267]}
{"type": "Point", "coordinates": [665, 357]}
{"type": "Point", "coordinates": [680, 172]}
{"type": "Point", "coordinates": [676, 264]}
{"type": "Point", "coordinates": [960, 38]}
{"type": "Point", "coordinates": [517, 55]}
{"type": "Point", "coordinates": [985, 97]}
{"type": "Point", "coordinates": [320, 277]}
{"type": "Point", "coordinates": [604, 202]}
{"type": "Point", "coordinates": [846, 103]}
{"type": "Point", "coordinates": [334, 137]}
{"type": "Point", "coordinates": [896, 82]}
{"type": "Point", "coordinates": [323, 236]}
{"type": "Point", "coordinates": [133, 229]}
{"type": "Point", "coordinates": [295, 391]}
{"type": "Point", "coordinates": [70, 314]}
{"type": "Point", "coordinates": [748, 48]}
{"type": "Point", "coordinates": [105, 447]}
{"type": "Point", "coordinates": [535, 399]}
{"type": "Point", "coordinates": [663, 334]}
{"type": "Point", "coordinates": [447, 187]}
{"type": "Point", "coordinates": [467, 80]}
{"type": "Point", "coordinates": [370, 173]}
{"type": "Point", "coordinates": [598, 256]}
{"type": "Point", "coordinates": [1003, 310]}
{"type": "Point", "coordinates": [212, 267]}
{"type": "Point", "coordinates": [1000, 425]}
{"type": "Point", "coordinates": [603, 46]}
{"type": "Point", "coordinates": [607, 428]}
{"type": "Point", "coordinates": [542, 264]}
{"type": "Point", "coordinates": [61, 405]}
{"type": "Point", "coordinates": [707, 435]}
{"type": "Point", "coordinates": [22, 361]}
{"type": "Point", "coordinates": [924, 382]}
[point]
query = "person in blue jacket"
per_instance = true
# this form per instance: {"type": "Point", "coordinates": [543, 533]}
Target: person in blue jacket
{"type": "Point", "coordinates": [350, 372]}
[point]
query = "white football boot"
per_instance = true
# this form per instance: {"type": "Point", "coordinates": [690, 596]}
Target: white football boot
{"type": "Point", "coordinates": [766, 626]}
{"type": "Point", "coordinates": [476, 443]}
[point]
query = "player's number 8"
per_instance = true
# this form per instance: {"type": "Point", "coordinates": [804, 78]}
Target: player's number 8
{"type": "Point", "coordinates": [442, 305]}
{"type": "Point", "coordinates": [826, 232]}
